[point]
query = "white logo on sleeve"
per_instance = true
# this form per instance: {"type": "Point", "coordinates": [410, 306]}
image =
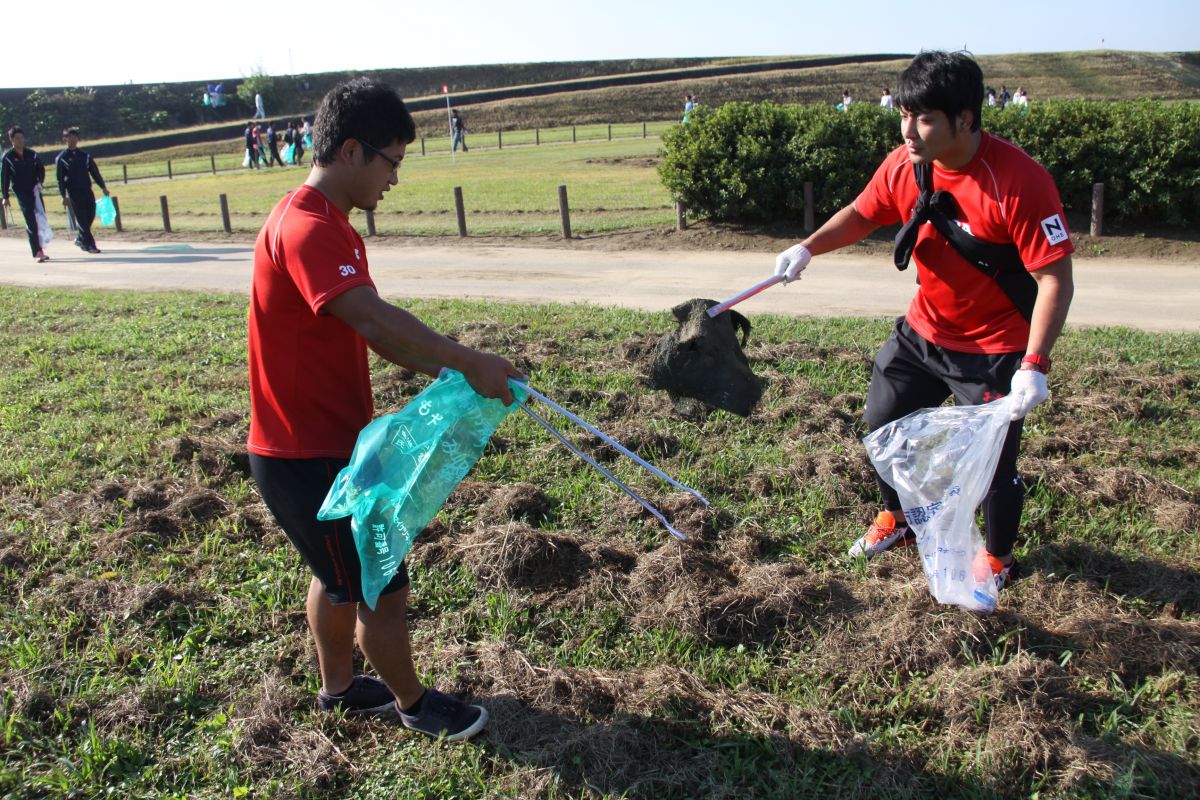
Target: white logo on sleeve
{"type": "Point", "coordinates": [346, 269]}
{"type": "Point", "coordinates": [1054, 229]}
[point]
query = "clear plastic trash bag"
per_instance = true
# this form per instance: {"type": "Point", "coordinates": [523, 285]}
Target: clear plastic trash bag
{"type": "Point", "coordinates": [941, 462]}
{"type": "Point", "coordinates": [44, 231]}
{"type": "Point", "coordinates": [403, 468]}
{"type": "Point", "coordinates": [106, 212]}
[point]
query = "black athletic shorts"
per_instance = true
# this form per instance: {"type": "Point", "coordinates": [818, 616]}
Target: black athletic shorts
{"type": "Point", "coordinates": [294, 489]}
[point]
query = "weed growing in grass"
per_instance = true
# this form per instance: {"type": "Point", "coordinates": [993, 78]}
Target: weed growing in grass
{"type": "Point", "coordinates": [153, 640]}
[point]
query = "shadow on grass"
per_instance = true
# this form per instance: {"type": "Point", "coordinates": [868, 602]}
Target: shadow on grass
{"type": "Point", "coordinates": [667, 757]}
{"type": "Point", "coordinates": [1174, 589]}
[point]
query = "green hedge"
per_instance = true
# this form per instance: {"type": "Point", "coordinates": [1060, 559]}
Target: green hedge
{"type": "Point", "coordinates": [747, 162]}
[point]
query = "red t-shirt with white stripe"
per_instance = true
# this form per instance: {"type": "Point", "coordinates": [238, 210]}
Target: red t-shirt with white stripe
{"type": "Point", "coordinates": [1003, 196]}
{"type": "Point", "coordinates": [310, 382]}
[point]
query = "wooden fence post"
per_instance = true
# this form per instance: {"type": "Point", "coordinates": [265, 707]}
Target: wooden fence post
{"type": "Point", "coordinates": [117, 208]}
{"type": "Point", "coordinates": [166, 214]}
{"type": "Point", "coordinates": [499, 140]}
{"type": "Point", "coordinates": [809, 214]}
{"type": "Point", "coordinates": [225, 214]}
{"type": "Point", "coordinates": [1097, 209]}
{"type": "Point", "coordinates": [680, 216]}
{"type": "Point", "coordinates": [460, 211]}
{"type": "Point", "coordinates": [422, 145]}
{"type": "Point", "coordinates": [170, 175]}
{"type": "Point", "coordinates": [125, 173]}
{"type": "Point", "coordinates": [572, 134]}
{"type": "Point", "coordinates": [212, 160]}
{"type": "Point", "coordinates": [610, 131]}
{"type": "Point", "coordinates": [564, 210]}
{"type": "Point", "coordinates": [537, 136]}
{"type": "Point", "coordinates": [643, 130]}
{"type": "Point", "coordinates": [370, 223]}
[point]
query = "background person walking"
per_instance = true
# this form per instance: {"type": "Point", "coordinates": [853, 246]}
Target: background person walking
{"type": "Point", "coordinates": [75, 170]}
{"type": "Point", "coordinates": [22, 171]}
{"type": "Point", "coordinates": [458, 131]}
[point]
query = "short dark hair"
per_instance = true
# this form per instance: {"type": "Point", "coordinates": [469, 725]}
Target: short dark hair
{"type": "Point", "coordinates": [941, 81]}
{"type": "Point", "coordinates": [364, 110]}
{"type": "Point", "coordinates": [14, 130]}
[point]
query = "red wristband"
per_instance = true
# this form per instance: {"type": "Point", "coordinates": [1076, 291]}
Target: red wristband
{"type": "Point", "coordinates": [1038, 362]}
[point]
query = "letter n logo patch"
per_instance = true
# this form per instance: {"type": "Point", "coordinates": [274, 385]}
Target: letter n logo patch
{"type": "Point", "coordinates": [1055, 229]}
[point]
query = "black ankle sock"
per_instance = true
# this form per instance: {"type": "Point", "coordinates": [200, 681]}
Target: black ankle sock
{"type": "Point", "coordinates": [415, 708]}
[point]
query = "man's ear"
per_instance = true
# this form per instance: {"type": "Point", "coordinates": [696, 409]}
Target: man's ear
{"type": "Point", "coordinates": [966, 119]}
{"type": "Point", "coordinates": [347, 150]}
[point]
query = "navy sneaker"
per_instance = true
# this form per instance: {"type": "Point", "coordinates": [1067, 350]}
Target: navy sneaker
{"type": "Point", "coordinates": [444, 717]}
{"type": "Point", "coordinates": [366, 695]}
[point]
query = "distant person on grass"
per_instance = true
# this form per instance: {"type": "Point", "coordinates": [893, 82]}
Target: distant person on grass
{"type": "Point", "coordinates": [886, 101]}
{"type": "Point", "coordinates": [314, 312]}
{"type": "Point", "coordinates": [251, 159]}
{"type": "Point", "coordinates": [974, 331]}
{"type": "Point", "coordinates": [22, 171]}
{"type": "Point", "coordinates": [76, 170]}
{"type": "Point", "coordinates": [458, 131]}
{"type": "Point", "coordinates": [273, 146]}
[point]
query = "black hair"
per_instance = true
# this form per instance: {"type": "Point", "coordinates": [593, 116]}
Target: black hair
{"type": "Point", "coordinates": [364, 110]}
{"type": "Point", "coordinates": [14, 130]}
{"type": "Point", "coordinates": [941, 81]}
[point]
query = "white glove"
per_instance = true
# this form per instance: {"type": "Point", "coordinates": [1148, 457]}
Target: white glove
{"type": "Point", "coordinates": [1028, 389]}
{"type": "Point", "coordinates": [791, 262]}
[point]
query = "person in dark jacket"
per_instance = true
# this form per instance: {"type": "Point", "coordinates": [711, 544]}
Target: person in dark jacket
{"type": "Point", "coordinates": [273, 146]}
{"type": "Point", "coordinates": [76, 170]}
{"type": "Point", "coordinates": [21, 170]}
{"type": "Point", "coordinates": [251, 146]}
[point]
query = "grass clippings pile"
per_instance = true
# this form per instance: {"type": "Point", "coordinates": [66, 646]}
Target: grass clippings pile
{"type": "Point", "coordinates": [153, 641]}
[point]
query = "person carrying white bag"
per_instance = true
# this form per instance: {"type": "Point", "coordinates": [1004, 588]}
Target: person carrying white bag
{"type": "Point", "coordinates": [984, 224]}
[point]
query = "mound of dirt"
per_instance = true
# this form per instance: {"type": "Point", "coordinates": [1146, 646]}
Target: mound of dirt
{"type": "Point", "coordinates": [515, 502]}
{"type": "Point", "coordinates": [518, 557]}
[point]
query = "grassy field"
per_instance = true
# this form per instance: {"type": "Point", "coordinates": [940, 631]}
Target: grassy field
{"type": "Point", "coordinates": [153, 644]}
{"type": "Point", "coordinates": [509, 190]}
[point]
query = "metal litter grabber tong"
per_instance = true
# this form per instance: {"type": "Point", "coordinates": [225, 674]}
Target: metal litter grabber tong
{"type": "Point", "coordinates": [619, 447]}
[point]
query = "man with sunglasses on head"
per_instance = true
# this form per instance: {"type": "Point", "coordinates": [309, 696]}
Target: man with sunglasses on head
{"type": "Point", "coordinates": [985, 226]}
{"type": "Point", "coordinates": [314, 311]}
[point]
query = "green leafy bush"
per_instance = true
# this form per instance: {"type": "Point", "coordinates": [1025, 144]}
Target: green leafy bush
{"type": "Point", "coordinates": [747, 162]}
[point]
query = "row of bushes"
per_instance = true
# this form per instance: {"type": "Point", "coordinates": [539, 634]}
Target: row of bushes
{"type": "Point", "coordinates": [747, 162]}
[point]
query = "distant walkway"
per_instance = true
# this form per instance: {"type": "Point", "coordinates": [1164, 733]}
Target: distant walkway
{"type": "Point", "coordinates": [1136, 294]}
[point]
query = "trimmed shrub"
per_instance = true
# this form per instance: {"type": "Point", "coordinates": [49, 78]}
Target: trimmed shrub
{"type": "Point", "coordinates": [747, 162]}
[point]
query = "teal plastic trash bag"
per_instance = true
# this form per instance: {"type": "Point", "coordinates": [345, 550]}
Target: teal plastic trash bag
{"type": "Point", "coordinates": [106, 212]}
{"type": "Point", "coordinates": [941, 462]}
{"type": "Point", "coordinates": [403, 468]}
{"type": "Point", "coordinates": [288, 153]}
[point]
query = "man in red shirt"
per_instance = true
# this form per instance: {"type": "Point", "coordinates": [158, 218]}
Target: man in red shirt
{"type": "Point", "coordinates": [314, 312]}
{"type": "Point", "coordinates": [974, 334]}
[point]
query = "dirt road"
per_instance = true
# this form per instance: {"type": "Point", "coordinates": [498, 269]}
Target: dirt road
{"type": "Point", "coordinates": [1138, 294]}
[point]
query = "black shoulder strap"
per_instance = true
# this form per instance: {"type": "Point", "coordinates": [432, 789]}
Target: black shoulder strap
{"type": "Point", "coordinates": [1000, 262]}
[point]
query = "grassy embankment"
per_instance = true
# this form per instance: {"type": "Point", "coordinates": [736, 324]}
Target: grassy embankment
{"type": "Point", "coordinates": [152, 637]}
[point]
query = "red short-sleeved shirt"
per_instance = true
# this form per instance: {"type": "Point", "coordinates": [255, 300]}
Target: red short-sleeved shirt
{"type": "Point", "coordinates": [1003, 196]}
{"type": "Point", "coordinates": [310, 383]}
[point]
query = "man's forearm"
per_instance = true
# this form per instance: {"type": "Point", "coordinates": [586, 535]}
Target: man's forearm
{"type": "Point", "coordinates": [403, 339]}
{"type": "Point", "coordinates": [844, 228]}
{"type": "Point", "coordinates": [1056, 288]}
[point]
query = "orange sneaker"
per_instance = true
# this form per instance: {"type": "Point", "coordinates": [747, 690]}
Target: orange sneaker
{"type": "Point", "coordinates": [987, 566]}
{"type": "Point", "coordinates": [884, 534]}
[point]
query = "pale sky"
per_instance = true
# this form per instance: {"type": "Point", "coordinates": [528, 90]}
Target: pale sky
{"type": "Point", "coordinates": [151, 40]}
